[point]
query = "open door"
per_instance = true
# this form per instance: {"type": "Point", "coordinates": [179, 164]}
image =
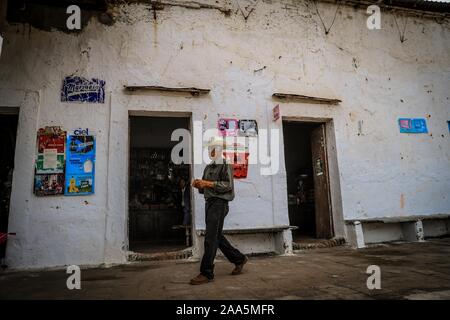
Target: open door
{"type": "Point", "coordinates": [324, 223]}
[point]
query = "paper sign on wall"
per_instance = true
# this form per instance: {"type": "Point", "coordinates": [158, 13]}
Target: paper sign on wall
{"type": "Point", "coordinates": [49, 184]}
{"type": "Point", "coordinates": [78, 89]}
{"type": "Point", "coordinates": [412, 125]}
{"type": "Point", "coordinates": [248, 128]}
{"type": "Point", "coordinates": [80, 166]}
{"type": "Point", "coordinates": [50, 161]}
{"type": "Point", "coordinates": [238, 155]}
{"type": "Point", "coordinates": [228, 127]}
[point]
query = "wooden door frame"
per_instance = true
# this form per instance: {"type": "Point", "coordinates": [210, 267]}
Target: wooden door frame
{"type": "Point", "coordinates": [333, 177]}
{"type": "Point", "coordinates": [330, 234]}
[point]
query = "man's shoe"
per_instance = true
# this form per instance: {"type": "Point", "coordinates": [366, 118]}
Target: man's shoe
{"type": "Point", "coordinates": [238, 269]}
{"type": "Point", "coordinates": [200, 279]}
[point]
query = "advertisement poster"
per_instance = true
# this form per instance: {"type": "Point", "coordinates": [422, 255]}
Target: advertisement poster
{"type": "Point", "coordinates": [228, 127]}
{"type": "Point", "coordinates": [50, 161]}
{"type": "Point", "coordinates": [238, 156]}
{"type": "Point", "coordinates": [80, 165]}
{"type": "Point", "coordinates": [78, 89]}
{"type": "Point", "coordinates": [49, 184]}
{"type": "Point", "coordinates": [411, 125]}
{"type": "Point", "coordinates": [248, 128]}
{"type": "Point", "coordinates": [240, 163]}
{"type": "Point", "coordinates": [51, 138]}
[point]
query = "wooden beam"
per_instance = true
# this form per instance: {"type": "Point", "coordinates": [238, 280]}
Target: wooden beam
{"type": "Point", "coordinates": [193, 91]}
{"type": "Point", "coordinates": [288, 96]}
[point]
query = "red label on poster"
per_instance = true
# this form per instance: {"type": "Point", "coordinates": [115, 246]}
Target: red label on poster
{"type": "Point", "coordinates": [240, 163]}
{"type": "Point", "coordinates": [51, 142]}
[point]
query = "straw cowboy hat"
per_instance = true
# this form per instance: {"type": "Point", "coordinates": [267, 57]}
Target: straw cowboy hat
{"type": "Point", "coordinates": [216, 142]}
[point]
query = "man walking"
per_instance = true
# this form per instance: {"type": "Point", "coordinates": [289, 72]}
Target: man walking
{"type": "Point", "coordinates": [218, 188]}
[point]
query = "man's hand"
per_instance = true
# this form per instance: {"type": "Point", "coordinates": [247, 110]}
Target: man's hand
{"type": "Point", "coordinates": [195, 183]}
{"type": "Point", "coordinates": [201, 184]}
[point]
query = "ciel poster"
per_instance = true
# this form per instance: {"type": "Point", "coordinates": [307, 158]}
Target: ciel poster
{"type": "Point", "coordinates": [80, 165]}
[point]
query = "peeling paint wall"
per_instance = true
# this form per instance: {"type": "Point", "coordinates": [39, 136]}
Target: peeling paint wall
{"type": "Point", "coordinates": [280, 47]}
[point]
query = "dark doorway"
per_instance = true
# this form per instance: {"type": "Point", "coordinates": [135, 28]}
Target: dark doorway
{"type": "Point", "coordinates": [157, 219]}
{"type": "Point", "coordinates": [8, 131]}
{"type": "Point", "coordinates": [307, 180]}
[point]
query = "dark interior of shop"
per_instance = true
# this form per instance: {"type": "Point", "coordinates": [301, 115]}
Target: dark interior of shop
{"type": "Point", "coordinates": [8, 130]}
{"type": "Point", "coordinates": [156, 221]}
{"type": "Point", "coordinates": [300, 182]}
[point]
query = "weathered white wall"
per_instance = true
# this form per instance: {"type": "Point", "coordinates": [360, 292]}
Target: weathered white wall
{"type": "Point", "coordinates": [378, 78]}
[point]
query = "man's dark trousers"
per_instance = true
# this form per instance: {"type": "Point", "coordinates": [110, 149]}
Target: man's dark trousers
{"type": "Point", "coordinates": [216, 210]}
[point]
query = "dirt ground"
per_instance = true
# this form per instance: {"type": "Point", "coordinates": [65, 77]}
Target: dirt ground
{"type": "Point", "coordinates": [408, 271]}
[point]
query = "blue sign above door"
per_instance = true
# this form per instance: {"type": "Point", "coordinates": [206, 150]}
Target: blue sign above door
{"type": "Point", "coordinates": [412, 125]}
{"type": "Point", "coordinates": [78, 89]}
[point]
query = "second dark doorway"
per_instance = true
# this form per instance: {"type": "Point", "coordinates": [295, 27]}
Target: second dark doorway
{"type": "Point", "coordinates": [8, 129]}
{"type": "Point", "coordinates": [307, 180]}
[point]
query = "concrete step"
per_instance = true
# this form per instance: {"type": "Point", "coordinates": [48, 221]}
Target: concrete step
{"type": "Point", "coordinates": [158, 256]}
{"type": "Point", "coordinates": [326, 243]}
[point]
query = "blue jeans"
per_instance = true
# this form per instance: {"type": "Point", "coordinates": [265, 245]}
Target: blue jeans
{"type": "Point", "coordinates": [216, 210]}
